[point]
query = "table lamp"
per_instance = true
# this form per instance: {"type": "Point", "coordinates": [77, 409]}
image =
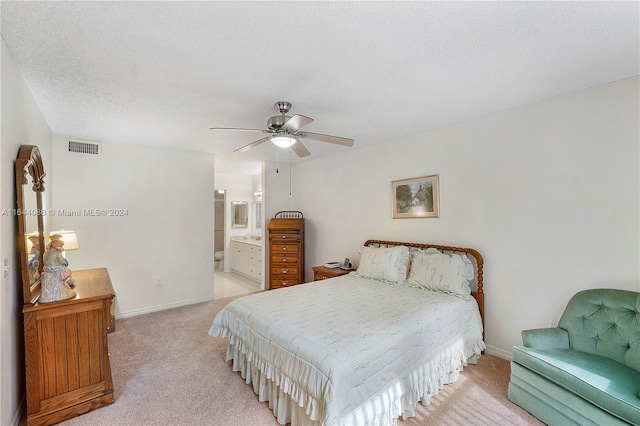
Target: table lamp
{"type": "Point", "coordinates": [68, 237]}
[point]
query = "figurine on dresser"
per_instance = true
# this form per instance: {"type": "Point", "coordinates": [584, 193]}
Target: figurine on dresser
{"type": "Point", "coordinates": [56, 276]}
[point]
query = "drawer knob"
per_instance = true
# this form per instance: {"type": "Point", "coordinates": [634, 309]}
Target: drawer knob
{"type": "Point", "coordinates": [284, 259]}
{"type": "Point", "coordinates": [284, 271]}
{"type": "Point", "coordinates": [284, 236]}
{"type": "Point", "coordinates": [285, 283]}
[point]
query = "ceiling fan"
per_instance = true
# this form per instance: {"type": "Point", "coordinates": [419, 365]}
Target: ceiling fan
{"type": "Point", "coordinates": [284, 132]}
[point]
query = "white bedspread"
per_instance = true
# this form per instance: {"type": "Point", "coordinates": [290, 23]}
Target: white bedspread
{"type": "Point", "coordinates": [351, 350]}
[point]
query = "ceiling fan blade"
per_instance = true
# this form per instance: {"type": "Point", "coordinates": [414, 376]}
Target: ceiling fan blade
{"type": "Point", "coordinates": [296, 122]}
{"type": "Point", "coordinates": [300, 149]}
{"type": "Point", "coordinates": [235, 129]}
{"type": "Point", "coordinates": [326, 138]}
{"type": "Point", "coordinates": [252, 145]}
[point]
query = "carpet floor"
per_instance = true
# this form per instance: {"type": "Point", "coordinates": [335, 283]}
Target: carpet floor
{"type": "Point", "coordinates": [168, 371]}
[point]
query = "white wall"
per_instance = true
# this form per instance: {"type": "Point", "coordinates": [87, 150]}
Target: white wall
{"type": "Point", "coordinates": [280, 191]}
{"type": "Point", "coordinates": [547, 192]}
{"type": "Point", "coordinates": [166, 234]}
{"type": "Point", "coordinates": [22, 123]}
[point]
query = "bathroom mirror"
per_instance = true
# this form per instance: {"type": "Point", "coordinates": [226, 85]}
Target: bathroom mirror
{"type": "Point", "coordinates": [240, 214]}
{"type": "Point", "coordinates": [29, 188]}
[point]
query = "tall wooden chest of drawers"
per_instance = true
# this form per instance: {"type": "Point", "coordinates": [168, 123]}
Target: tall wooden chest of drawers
{"type": "Point", "coordinates": [286, 250]}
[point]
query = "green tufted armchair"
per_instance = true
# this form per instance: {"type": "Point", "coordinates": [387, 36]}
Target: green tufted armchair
{"type": "Point", "coordinates": [587, 370]}
{"type": "Point", "coordinates": [606, 323]}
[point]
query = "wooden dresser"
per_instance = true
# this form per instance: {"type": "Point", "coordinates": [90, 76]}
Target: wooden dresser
{"type": "Point", "coordinates": [286, 250]}
{"type": "Point", "coordinates": [66, 351]}
{"type": "Point", "coordinates": [65, 342]}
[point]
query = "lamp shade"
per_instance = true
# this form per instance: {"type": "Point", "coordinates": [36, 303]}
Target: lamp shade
{"type": "Point", "coordinates": [32, 240]}
{"type": "Point", "coordinates": [283, 141]}
{"type": "Point", "coordinates": [68, 237]}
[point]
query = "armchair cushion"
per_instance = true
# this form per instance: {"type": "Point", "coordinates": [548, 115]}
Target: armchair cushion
{"type": "Point", "coordinates": [608, 384]}
{"type": "Point", "coordinates": [546, 338]}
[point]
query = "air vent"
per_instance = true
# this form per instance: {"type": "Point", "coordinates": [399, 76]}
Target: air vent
{"type": "Point", "coordinates": [92, 148]}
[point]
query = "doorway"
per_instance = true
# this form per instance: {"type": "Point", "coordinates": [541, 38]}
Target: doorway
{"type": "Point", "coordinates": [218, 229]}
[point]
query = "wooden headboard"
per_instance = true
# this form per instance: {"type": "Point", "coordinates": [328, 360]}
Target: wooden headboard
{"type": "Point", "coordinates": [478, 294]}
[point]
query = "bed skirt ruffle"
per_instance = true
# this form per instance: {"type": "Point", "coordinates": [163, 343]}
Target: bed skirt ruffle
{"type": "Point", "coordinates": [291, 404]}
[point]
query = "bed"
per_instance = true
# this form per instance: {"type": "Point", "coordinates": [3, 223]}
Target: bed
{"type": "Point", "coordinates": [362, 348]}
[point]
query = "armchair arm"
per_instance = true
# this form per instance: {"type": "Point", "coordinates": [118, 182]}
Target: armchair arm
{"type": "Point", "coordinates": [546, 338]}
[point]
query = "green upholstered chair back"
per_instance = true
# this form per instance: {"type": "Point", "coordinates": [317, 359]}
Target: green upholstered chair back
{"type": "Point", "coordinates": [605, 322]}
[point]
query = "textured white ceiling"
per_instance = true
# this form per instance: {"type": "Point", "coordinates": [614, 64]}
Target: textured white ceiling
{"type": "Point", "coordinates": [163, 73]}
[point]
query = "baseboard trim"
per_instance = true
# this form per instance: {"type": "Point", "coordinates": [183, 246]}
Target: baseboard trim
{"type": "Point", "coordinates": [142, 311]}
{"type": "Point", "coordinates": [500, 353]}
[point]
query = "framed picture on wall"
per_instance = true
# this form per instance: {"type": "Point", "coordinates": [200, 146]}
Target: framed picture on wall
{"type": "Point", "coordinates": [415, 198]}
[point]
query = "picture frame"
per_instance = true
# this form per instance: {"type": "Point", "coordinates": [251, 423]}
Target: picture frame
{"type": "Point", "coordinates": [415, 198]}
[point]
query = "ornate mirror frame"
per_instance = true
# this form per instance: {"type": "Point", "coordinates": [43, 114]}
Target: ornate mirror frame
{"type": "Point", "coordinates": [29, 167]}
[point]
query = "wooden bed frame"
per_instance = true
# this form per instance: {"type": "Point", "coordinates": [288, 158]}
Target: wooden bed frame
{"type": "Point", "coordinates": [478, 294]}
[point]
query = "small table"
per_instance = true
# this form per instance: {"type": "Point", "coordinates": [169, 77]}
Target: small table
{"type": "Point", "coordinates": [323, 273]}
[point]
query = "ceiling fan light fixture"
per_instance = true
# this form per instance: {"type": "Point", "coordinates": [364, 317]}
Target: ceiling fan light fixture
{"type": "Point", "coordinates": [283, 131]}
{"type": "Point", "coordinates": [283, 141]}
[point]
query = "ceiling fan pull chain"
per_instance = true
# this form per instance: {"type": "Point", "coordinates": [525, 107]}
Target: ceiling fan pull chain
{"type": "Point", "coordinates": [290, 171]}
{"type": "Point", "coordinates": [277, 160]}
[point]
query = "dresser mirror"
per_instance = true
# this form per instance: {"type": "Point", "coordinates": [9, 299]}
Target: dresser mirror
{"type": "Point", "coordinates": [240, 214]}
{"type": "Point", "coordinates": [31, 243]}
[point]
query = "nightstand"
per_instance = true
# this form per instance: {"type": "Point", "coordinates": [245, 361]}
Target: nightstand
{"type": "Point", "coordinates": [322, 272]}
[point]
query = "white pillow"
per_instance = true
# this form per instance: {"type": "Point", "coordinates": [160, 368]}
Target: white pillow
{"type": "Point", "coordinates": [384, 263]}
{"type": "Point", "coordinates": [438, 271]}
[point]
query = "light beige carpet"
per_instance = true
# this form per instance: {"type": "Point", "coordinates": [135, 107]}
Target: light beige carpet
{"type": "Point", "coordinates": [168, 371]}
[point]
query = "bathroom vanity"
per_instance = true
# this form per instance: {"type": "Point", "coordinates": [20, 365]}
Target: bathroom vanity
{"type": "Point", "coordinates": [246, 257]}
